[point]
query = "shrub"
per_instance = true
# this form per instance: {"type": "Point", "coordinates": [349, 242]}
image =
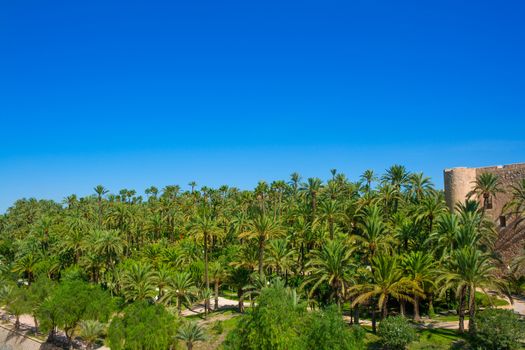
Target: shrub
{"type": "Point", "coordinates": [499, 329]}
{"type": "Point", "coordinates": [326, 330]}
{"type": "Point", "coordinates": [396, 333]}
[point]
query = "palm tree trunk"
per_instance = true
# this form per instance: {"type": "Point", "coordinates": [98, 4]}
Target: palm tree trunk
{"type": "Point", "coordinates": [472, 311]}
{"type": "Point", "coordinates": [461, 310]}
{"type": "Point", "coordinates": [331, 222]}
{"type": "Point", "coordinates": [261, 255]}
{"type": "Point", "coordinates": [240, 296]}
{"type": "Point", "coordinates": [189, 345]}
{"type": "Point", "coordinates": [374, 328]}
{"type": "Point", "coordinates": [417, 318]}
{"type": "Point", "coordinates": [216, 306]}
{"type": "Point", "coordinates": [356, 314]}
{"type": "Point", "coordinates": [35, 320]}
{"type": "Point", "coordinates": [206, 301]}
{"type": "Point", "coordinates": [384, 309]}
{"type": "Point", "coordinates": [402, 307]}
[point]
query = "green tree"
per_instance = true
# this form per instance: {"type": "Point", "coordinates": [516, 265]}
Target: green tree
{"type": "Point", "coordinates": [142, 326]}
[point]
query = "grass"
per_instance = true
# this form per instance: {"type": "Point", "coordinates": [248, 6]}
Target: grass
{"type": "Point", "coordinates": [448, 318]}
{"type": "Point", "coordinates": [435, 339]}
{"type": "Point", "coordinates": [486, 300]}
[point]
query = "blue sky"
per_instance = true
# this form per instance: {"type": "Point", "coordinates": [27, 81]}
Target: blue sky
{"type": "Point", "coordinates": [138, 93]}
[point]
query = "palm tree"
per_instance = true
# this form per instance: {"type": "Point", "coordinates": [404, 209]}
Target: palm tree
{"type": "Point", "coordinates": [138, 282]}
{"type": "Point", "coordinates": [331, 211]}
{"type": "Point", "coordinates": [368, 176]}
{"type": "Point", "coordinates": [396, 176]}
{"type": "Point", "coordinates": [261, 228]}
{"type": "Point", "coordinates": [238, 278]}
{"type": "Point", "coordinates": [420, 268]}
{"type": "Point", "coordinates": [373, 233]}
{"type": "Point", "coordinates": [218, 274]}
{"type": "Point", "coordinates": [430, 208]}
{"type": "Point", "coordinates": [386, 280]}
{"type": "Point", "coordinates": [90, 331]}
{"type": "Point", "coordinates": [332, 264]}
{"type": "Point", "coordinates": [181, 289]}
{"type": "Point", "coordinates": [486, 186]}
{"type": "Point", "coordinates": [280, 256]}
{"type": "Point", "coordinates": [469, 270]}
{"type": "Point", "coordinates": [419, 186]}
{"type": "Point", "coordinates": [191, 332]}
{"type": "Point", "coordinates": [108, 245]}
{"type": "Point", "coordinates": [100, 191]}
{"type": "Point", "coordinates": [516, 205]}
{"type": "Point", "coordinates": [311, 189]}
{"type": "Point", "coordinates": [205, 227]}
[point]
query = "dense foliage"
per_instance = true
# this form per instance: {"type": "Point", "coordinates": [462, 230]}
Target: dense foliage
{"type": "Point", "coordinates": [280, 321]}
{"type": "Point", "coordinates": [499, 329]}
{"type": "Point", "coordinates": [378, 245]}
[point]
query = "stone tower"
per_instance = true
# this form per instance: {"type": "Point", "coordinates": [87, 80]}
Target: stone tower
{"type": "Point", "coordinates": [458, 183]}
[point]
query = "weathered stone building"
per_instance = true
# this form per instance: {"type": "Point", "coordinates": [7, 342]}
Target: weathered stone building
{"type": "Point", "coordinates": [460, 181]}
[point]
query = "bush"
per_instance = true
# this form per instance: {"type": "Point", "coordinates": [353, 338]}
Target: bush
{"type": "Point", "coordinates": [326, 330]}
{"type": "Point", "coordinates": [396, 333]}
{"type": "Point", "coordinates": [280, 321]}
{"type": "Point", "coordinates": [499, 329]}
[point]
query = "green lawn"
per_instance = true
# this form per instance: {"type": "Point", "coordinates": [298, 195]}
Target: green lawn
{"type": "Point", "coordinates": [435, 339]}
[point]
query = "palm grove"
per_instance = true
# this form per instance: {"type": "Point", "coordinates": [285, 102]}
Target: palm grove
{"type": "Point", "coordinates": [380, 245]}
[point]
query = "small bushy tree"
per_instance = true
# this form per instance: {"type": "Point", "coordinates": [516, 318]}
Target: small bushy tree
{"type": "Point", "coordinates": [396, 333]}
{"type": "Point", "coordinates": [142, 326]}
{"type": "Point", "coordinates": [499, 329]}
{"type": "Point", "coordinates": [326, 330]}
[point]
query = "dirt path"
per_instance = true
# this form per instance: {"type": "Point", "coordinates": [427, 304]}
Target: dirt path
{"type": "Point", "coordinates": [223, 304]}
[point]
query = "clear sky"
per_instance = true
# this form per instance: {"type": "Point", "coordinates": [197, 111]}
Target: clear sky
{"type": "Point", "coordinates": [130, 94]}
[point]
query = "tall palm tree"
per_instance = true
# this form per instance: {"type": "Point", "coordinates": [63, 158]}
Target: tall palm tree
{"type": "Point", "coordinates": [204, 226]}
{"type": "Point", "coordinates": [332, 264]}
{"type": "Point", "coordinates": [420, 268]}
{"type": "Point", "coordinates": [368, 177]}
{"type": "Point", "coordinates": [100, 191]}
{"type": "Point", "coordinates": [486, 186]}
{"type": "Point", "coordinates": [386, 280]}
{"type": "Point", "coordinates": [311, 189]}
{"type": "Point", "coordinates": [262, 228]}
{"type": "Point", "coordinates": [191, 332]}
